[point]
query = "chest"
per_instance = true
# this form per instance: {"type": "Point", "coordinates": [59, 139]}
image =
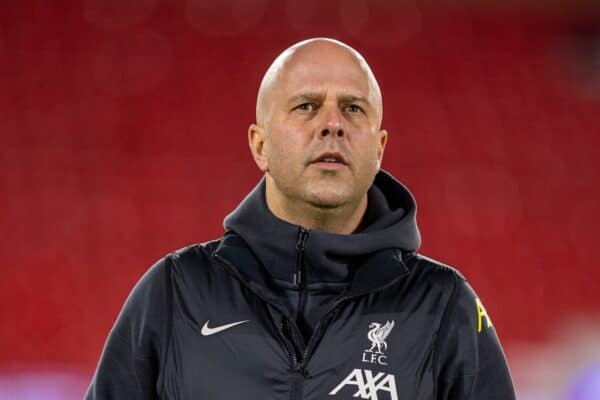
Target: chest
{"type": "Point", "coordinates": [374, 347]}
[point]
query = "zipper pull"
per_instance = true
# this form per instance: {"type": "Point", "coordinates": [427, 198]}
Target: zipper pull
{"type": "Point", "coordinates": [302, 239]}
{"type": "Point", "coordinates": [299, 369]}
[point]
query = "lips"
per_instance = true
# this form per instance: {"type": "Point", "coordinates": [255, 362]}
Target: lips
{"type": "Point", "coordinates": [330, 157]}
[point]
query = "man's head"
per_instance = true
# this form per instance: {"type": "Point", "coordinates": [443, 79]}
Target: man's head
{"type": "Point", "coordinates": [317, 137]}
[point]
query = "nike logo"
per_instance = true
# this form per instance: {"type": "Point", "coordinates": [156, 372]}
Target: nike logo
{"type": "Point", "coordinates": [206, 331]}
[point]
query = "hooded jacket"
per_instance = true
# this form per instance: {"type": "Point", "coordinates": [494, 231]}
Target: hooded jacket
{"type": "Point", "coordinates": [272, 310]}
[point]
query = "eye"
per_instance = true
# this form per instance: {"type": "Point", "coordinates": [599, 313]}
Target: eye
{"type": "Point", "coordinates": [353, 108]}
{"type": "Point", "coordinates": [306, 107]}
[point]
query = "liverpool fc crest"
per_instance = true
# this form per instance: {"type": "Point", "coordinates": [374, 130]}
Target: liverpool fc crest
{"type": "Point", "coordinates": [377, 335]}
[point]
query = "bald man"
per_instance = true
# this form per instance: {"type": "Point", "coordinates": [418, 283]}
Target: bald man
{"type": "Point", "coordinates": [316, 289]}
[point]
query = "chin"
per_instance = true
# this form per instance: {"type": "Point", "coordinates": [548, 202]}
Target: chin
{"type": "Point", "coordinates": [327, 199]}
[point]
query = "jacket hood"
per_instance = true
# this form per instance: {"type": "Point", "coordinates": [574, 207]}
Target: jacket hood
{"type": "Point", "coordinates": [389, 223]}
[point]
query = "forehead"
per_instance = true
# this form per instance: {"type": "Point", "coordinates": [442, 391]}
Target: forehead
{"type": "Point", "coordinates": [334, 71]}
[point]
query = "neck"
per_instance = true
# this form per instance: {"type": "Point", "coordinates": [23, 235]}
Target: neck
{"type": "Point", "coordinates": [341, 220]}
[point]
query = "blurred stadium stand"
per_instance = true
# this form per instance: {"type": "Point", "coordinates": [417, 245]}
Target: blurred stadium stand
{"type": "Point", "coordinates": [123, 126]}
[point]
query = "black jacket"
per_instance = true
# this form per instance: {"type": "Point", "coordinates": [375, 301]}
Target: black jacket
{"type": "Point", "coordinates": [274, 311]}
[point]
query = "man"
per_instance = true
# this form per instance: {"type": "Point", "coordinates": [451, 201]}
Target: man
{"type": "Point", "coordinates": [315, 290]}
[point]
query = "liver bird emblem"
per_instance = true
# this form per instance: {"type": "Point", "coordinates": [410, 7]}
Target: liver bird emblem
{"type": "Point", "coordinates": [377, 335]}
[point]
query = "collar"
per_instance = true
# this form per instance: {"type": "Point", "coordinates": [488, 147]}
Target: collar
{"type": "Point", "coordinates": [370, 273]}
{"type": "Point", "coordinates": [389, 228]}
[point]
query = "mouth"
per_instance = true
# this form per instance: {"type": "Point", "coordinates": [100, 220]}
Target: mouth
{"type": "Point", "coordinates": [330, 158]}
{"type": "Point", "coordinates": [330, 162]}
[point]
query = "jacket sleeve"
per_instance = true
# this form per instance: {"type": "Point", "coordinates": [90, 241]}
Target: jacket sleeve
{"type": "Point", "coordinates": [131, 360]}
{"type": "Point", "coordinates": [469, 361]}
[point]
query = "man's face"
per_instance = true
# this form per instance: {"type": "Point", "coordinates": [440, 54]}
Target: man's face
{"type": "Point", "coordinates": [323, 145]}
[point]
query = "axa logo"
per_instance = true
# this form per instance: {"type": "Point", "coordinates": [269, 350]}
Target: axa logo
{"type": "Point", "coordinates": [368, 386]}
{"type": "Point", "coordinates": [377, 335]}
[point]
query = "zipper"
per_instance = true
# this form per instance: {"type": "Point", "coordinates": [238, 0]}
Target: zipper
{"type": "Point", "coordinates": [300, 275]}
{"type": "Point", "coordinates": [320, 325]}
{"type": "Point", "coordinates": [318, 331]}
{"type": "Point", "coordinates": [324, 321]}
{"type": "Point", "coordinates": [286, 317]}
{"type": "Point", "coordinates": [301, 280]}
{"type": "Point", "coordinates": [298, 363]}
{"type": "Point", "coordinates": [289, 346]}
{"type": "Point", "coordinates": [297, 369]}
{"type": "Point", "coordinates": [299, 375]}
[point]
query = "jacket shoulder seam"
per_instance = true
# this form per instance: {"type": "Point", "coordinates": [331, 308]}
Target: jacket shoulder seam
{"type": "Point", "coordinates": [438, 265]}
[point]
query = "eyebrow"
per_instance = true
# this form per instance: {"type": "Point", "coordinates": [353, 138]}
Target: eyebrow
{"type": "Point", "coordinates": [354, 99]}
{"type": "Point", "coordinates": [314, 96]}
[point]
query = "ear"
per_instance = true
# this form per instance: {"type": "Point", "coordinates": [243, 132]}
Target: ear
{"type": "Point", "coordinates": [258, 146]}
{"type": "Point", "coordinates": [383, 136]}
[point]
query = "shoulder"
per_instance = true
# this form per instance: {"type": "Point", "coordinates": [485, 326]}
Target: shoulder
{"type": "Point", "coordinates": [444, 280]}
{"type": "Point", "coordinates": [193, 253]}
{"type": "Point", "coordinates": [192, 259]}
{"type": "Point", "coordinates": [462, 302]}
{"type": "Point", "coordinates": [182, 260]}
{"type": "Point", "coordinates": [434, 272]}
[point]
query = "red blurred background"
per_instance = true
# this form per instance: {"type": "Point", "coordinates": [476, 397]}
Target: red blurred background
{"type": "Point", "coordinates": [123, 135]}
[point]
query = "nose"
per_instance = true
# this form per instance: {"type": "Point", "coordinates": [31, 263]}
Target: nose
{"type": "Point", "coordinates": [333, 125]}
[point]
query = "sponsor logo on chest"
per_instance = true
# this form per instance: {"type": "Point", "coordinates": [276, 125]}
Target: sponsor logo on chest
{"type": "Point", "coordinates": [369, 384]}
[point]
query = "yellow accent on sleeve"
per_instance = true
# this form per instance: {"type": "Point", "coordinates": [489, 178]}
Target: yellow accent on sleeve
{"type": "Point", "coordinates": [481, 312]}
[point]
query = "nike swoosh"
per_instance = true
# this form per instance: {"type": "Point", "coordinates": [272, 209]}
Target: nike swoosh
{"type": "Point", "coordinates": [206, 331]}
